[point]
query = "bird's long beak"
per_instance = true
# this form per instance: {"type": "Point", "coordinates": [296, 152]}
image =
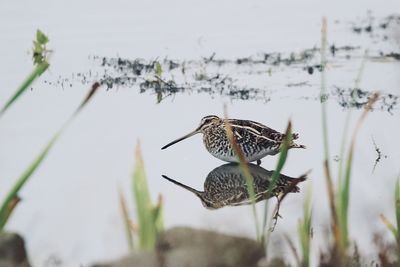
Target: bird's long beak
{"type": "Point", "coordinates": [182, 138]}
{"type": "Point", "coordinates": [190, 189]}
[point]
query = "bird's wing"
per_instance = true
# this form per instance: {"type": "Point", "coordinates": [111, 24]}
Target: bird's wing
{"type": "Point", "coordinates": [259, 129]}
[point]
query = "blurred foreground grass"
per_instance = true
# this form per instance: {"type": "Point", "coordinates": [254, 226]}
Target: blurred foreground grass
{"type": "Point", "coordinates": [40, 59]}
{"type": "Point", "coordinates": [149, 217]}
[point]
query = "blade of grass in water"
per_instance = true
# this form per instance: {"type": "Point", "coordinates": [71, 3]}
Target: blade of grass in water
{"type": "Point", "coordinates": [4, 209]}
{"type": "Point", "coordinates": [343, 183]}
{"type": "Point", "coordinates": [13, 193]}
{"type": "Point", "coordinates": [158, 215]}
{"type": "Point", "coordinates": [127, 221]}
{"type": "Point", "coordinates": [397, 208]}
{"type": "Point", "coordinates": [282, 156]}
{"type": "Point", "coordinates": [149, 217]}
{"type": "Point", "coordinates": [245, 171]}
{"type": "Point", "coordinates": [327, 171]}
{"type": "Point", "coordinates": [39, 70]}
{"type": "Point", "coordinates": [348, 117]}
{"type": "Point", "coordinates": [304, 231]}
{"type": "Point", "coordinates": [345, 129]}
{"type": "Point", "coordinates": [275, 176]}
{"type": "Point", "coordinates": [389, 225]}
{"type": "Point", "coordinates": [323, 96]}
{"type": "Point", "coordinates": [344, 191]}
{"type": "Point", "coordinates": [5, 212]}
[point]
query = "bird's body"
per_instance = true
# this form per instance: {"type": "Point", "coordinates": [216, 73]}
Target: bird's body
{"type": "Point", "coordinates": [254, 139]}
{"type": "Point", "coordinates": [226, 186]}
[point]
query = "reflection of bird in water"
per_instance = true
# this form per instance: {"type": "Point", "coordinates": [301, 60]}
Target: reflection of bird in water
{"type": "Point", "coordinates": [255, 139]}
{"type": "Point", "coordinates": [226, 186]}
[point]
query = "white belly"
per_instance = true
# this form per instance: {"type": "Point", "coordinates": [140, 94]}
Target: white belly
{"type": "Point", "coordinates": [227, 158]}
{"type": "Point", "coordinates": [255, 157]}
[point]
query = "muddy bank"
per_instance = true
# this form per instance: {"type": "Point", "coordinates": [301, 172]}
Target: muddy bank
{"type": "Point", "coordinates": [182, 246]}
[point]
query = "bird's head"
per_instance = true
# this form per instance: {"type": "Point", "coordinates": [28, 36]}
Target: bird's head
{"type": "Point", "coordinates": [205, 123]}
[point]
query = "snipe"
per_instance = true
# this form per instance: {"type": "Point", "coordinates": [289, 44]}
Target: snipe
{"type": "Point", "coordinates": [226, 186]}
{"type": "Point", "coordinates": [255, 139]}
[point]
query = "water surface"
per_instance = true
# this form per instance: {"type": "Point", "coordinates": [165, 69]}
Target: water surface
{"type": "Point", "coordinates": [70, 208]}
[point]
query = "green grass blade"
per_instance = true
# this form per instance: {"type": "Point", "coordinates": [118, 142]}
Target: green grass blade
{"type": "Point", "coordinates": [344, 201]}
{"type": "Point", "coordinates": [304, 231]}
{"type": "Point", "coordinates": [344, 190]}
{"type": "Point", "coordinates": [4, 210]}
{"type": "Point", "coordinates": [39, 70]}
{"type": "Point", "coordinates": [281, 162]}
{"type": "Point", "coordinates": [158, 215]}
{"type": "Point", "coordinates": [145, 212]}
{"type": "Point", "coordinates": [389, 226]}
{"type": "Point", "coordinates": [323, 95]}
{"type": "Point", "coordinates": [245, 171]}
{"type": "Point", "coordinates": [127, 221]}
{"type": "Point", "coordinates": [344, 178]}
{"type": "Point", "coordinates": [324, 120]}
{"type": "Point", "coordinates": [348, 116]}
{"type": "Point", "coordinates": [21, 181]}
{"type": "Point", "coordinates": [275, 176]}
{"type": "Point", "coordinates": [282, 157]}
{"type": "Point", "coordinates": [397, 208]}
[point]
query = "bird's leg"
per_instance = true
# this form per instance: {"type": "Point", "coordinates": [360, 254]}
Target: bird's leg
{"type": "Point", "coordinates": [276, 213]}
{"type": "Point", "coordinates": [259, 162]}
{"type": "Point", "coordinates": [278, 206]}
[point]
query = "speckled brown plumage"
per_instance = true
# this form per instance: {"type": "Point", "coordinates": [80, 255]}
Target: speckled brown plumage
{"type": "Point", "coordinates": [226, 186]}
{"type": "Point", "coordinates": [255, 139]}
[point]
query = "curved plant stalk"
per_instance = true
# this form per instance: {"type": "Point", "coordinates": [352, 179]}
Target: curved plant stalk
{"type": "Point", "coordinates": [344, 189]}
{"type": "Point", "coordinates": [40, 59]}
{"type": "Point", "coordinates": [282, 156]}
{"type": "Point", "coordinates": [348, 116]}
{"type": "Point", "coordinates": [323, 95]}
{"type": "Point", "coordinates": [304, 230]}
{"type": "Point", "coordinates": [39, 70]}
{"type": "Point", "coordinates": [326, 165]}
{"type": "Point", "coordinates": [395, 230]}
{"type": "Point", "coordinates": [7, 206]}
{"type": "Point", "coordinates": [150, 217]}
{"type": "Point", "coordinates": [275, 176]}
{"type": "Point", "coordinates": [127, 221]}
{"type": "Point", "coordinates": [245, 171]}
{"type": "Point", "coordinates": [339, 203]}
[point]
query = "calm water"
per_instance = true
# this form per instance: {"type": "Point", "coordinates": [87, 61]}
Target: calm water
{"type": "Point", "coordinates": [70, 208]}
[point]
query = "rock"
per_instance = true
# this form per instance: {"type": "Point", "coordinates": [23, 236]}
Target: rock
{"type": "Point", "coordinates": [12, 251]}
{"type": "Point", "coordinates": [144, 258]}
{"type": "Point", "coordinates": [274, 262]}
{"type": "Point", "coordinates": [187, 247]}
